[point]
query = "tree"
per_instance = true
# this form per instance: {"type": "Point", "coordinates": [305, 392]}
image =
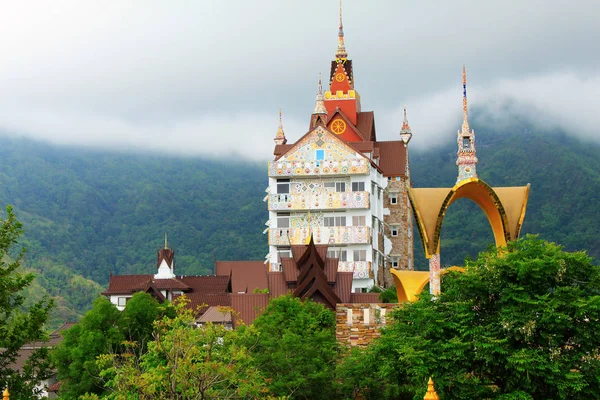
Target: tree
{"type": "Point", "coordinates": [103, 330]}
{"type": "Point", "coordinates": [521, 322]}
{"type": "Point", "coordinates": [185, 362]}
{"type": "Point", "coordinates": [19, 326]}
{"type": "Point", "coordinates": [296, 348]}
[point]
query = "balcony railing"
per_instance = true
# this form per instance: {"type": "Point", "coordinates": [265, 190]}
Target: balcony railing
{"type": "Point", "coordinates": [361, 269]}
{"type": "Point", "coordinates": [319, 201]}
{"type": "Point", "coordinates": [321, 235]}
{"type": "Point", "coordinates": [321, 168]}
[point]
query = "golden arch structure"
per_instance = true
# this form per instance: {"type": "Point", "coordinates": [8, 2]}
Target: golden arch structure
{"type": "Point", "coordinates": [504, 208]}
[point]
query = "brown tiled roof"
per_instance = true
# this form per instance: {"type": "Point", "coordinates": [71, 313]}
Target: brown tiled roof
{"type": "Point", "coordinates": [169, 284]}
{"type": "Point", "coordinates": [364, 298]}
{"type": "Point", "coordinates": [54, 388]}
{"type": "Point", "coordinates": [343, 286]}
{"type": "Point", "coordinates": [392, 158]}
{"type": "Point", "coordinates": [246, 276]}
{"type": "Point", "coordinates": [121, 284]}
{"type": "Point", "coordinates": [331, 267]}
{"type": "Point", "coordinates": [281, 149]}
{"type": "Point", "coordinates": [277, 284]}
{"type": "Point", "coordinates": [29, 348]}
{"type": "Point", "coordinates": [248, 306]}
{"type": "Point", "coordinates": [297, 251]}
{"type": "Point", "coordinates": [214, 315]}
{"type": "Point", "coordinates": [210, 284]}
{"type": "Point", "coordinates": [205, 300]}
{"type": "Point", "coordinates": [363, 147]}
{"type": "Point", "coordinates": [290, 270]}
{"type": "Point", "coordinates": [365, 123]}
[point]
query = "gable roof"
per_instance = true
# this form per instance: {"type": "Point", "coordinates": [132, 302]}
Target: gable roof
{"type": "Point", "coordinates": [246, 276]}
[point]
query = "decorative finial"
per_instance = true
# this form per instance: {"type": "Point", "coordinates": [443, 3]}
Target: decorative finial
{"type": "Point", "coordinates": [280, 136]}
{"type": "Point", "coordinates": [166, 243]}
{"type": "Point", "coordinates": [341, 53]}
{"type": "Point", "coordinates": [431, 393]}
{"type": "Point", "coordinates": [465, 126]}
{"type": "Point", "coordinates": [6, 395]}
{"type": "Point", "coordinates": [405, 132]}
{"type": "Point", "coordinates": [320, 103]}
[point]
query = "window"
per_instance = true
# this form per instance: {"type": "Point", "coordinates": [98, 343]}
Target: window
{"type": "Point", "coordinates": [466, 143]}
{"type": "Point", "coordinates": [360, 255]}
{"type": "Point", "coordinates": [121, 301]}
{"type": "Point", "coordinates": [283, 220]}
{"type": "Point", "coordinates": [320, 155]}
{"type": "Point", "coordinates": [358, 221]}
{"type": "Point", "coordinates": [393, 198]}
{"type": "Point", "coordinates": [284, 252]}
{"type": "Point", "coordinates": [394, 230]}
{"type": "Point", "coordinates": [409, 263]}
{"type": "Point", "coordinates": [394, 262]}
{"type": "Point", "coordinates": [360, 290]}
{"type": "Point", "coordinates": [409, 232]}
{"type": "Point", "coordinates": [340, 186]}
{"type": "Point", "coordinates": [397, 178]}
{"type": "Point", "coordinates": [283, 186]}
{"type": "Point", "coordinates": [358, 186]}
{"type": "Point", "coordinates": [379, 194]}
{"type": "Point", "coordinates": [334, 221]}
{"type": "Point", "coordinates": [341, 254]}
{"type": "Point", "coordinates": [389, 178]}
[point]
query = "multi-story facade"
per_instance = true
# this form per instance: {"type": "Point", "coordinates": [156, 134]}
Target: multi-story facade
{"type": "Point", "coordinates": [341, 186]}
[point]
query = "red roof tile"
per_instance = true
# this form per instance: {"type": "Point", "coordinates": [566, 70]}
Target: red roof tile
{"type": "Point", "coordinates": [213, 314]}
{"type": "Point", "coordinates": [392, 158]}
{"type": "Point", "coordinates": [331, 267]}
{"type": "Point", "coordinates": [277, 284]}
{"type": "Point", "coordinates": [365, 123]}
{"type": "Point", "coordinates": [209, 284]}
{"type": "Point", "coordinates": [248, 306]}
{"type": "Point", "coordinates": [290, 269]}
{"type": "Point", "coordinates": [121, 284]}
{"type": "Point", "coordinates": [364, 298]}
{"type": "Point", "coordinates": [246, 276]}
{"type": "Point", "coordinates": [343, 286]}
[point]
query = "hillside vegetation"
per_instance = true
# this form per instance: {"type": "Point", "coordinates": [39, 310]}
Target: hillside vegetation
{"type": "Point", "coordinates": [89, 213]}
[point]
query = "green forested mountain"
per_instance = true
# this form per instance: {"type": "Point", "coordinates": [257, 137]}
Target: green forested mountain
{"type": "Point", "coordinates": [88, 213]}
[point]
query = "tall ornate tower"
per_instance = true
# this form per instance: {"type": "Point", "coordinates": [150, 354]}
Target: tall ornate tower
{"type": "Point", "coordinates": [467, 160]}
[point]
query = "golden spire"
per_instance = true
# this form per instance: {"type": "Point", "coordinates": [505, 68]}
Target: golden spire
{"type": "Point", "coordinates": [6, 395]}
{"type": "Point", "coordinates": [341, 53]}
{"type": "Point", "coordinates": [465, 125]}
{"type": "Point", "coordinates": [280, 136]}
{"type": "Point", "coordinates": [320, 103]}
{"type": "Point", "coordinates": [431, 393]}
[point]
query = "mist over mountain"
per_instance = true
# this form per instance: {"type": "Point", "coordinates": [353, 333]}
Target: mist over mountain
{"type": "Point", "coordinates": [87, 213]}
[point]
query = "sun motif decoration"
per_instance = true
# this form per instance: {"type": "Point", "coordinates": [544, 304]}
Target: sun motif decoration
{"type": "Point", "coordinates": [340, 77]}
{"type": "Point", "coordinates": [338, 127]}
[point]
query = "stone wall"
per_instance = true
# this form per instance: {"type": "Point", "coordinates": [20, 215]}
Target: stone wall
{"type": "Point", "coordinates": [399, 217]}
{"type": "Point", "coordinates": [358, 324]}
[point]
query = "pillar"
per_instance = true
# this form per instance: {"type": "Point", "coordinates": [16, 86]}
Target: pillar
{"type": "Point", "coordinates": [434, 274]}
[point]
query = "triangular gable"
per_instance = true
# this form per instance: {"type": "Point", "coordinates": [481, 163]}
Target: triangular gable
{"type": "Point", "coordinates": [350, 133]}
{"type": "Point", "coordinates": [321, 138]}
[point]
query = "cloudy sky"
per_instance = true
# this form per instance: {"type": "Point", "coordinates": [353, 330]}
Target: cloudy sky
{"type": "Point", "coordinates": [208, 77]}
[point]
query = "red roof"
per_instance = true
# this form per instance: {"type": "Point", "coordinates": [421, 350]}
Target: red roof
{"type": "Point", "coordinates": [122, 284]}
{"type": "Point", "coordinates": [277, 284]}
{"type": "Point", "coordinates": [248, 306]}
{"type": "Point", "coordinates": [343, 286]}
{"type": "Point", "coordinates": [365, 123]}
{"type": "Point", "coordinates": [392, 158]}
{"type": "Point", "coordinates": [246, 276]}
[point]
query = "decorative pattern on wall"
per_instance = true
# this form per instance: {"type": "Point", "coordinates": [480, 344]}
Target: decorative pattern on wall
{"type": "Point", "coordinates": [361, 269]}
{"type": "Point", "coordinates": [434, 274]}
{"type": "Point", "coordinates": [335, 158]}
{"type": "Point", "coordinates": [323, 200]}
{"type": "Point", "coordinates": [322, 235]}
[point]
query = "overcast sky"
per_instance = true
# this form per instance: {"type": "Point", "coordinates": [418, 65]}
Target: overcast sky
{"type": "Point", "coordinates": [208, 77]}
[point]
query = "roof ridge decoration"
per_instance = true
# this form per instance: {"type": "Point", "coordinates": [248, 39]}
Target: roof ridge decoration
{"type": "Point", "coordinates": [341, 54]}
{"type": "Point", "coordinates": [405, 131]}
{"type": "Point", "coordinates": [280, 135]}
{"type": "Point", "coordinates": [431, 393]}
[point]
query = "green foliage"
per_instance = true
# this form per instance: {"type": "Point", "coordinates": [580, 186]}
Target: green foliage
{"type": "Point", "coordinates": [103, 330]}
{"type": "Point", "coordinates": [296, 349]}
{"type": "Point", "coordinates": [185, 362]}
{"type": "Point", "coordinates": [521, 322]}
{"type": "Point", "coordinates": [19, 325]}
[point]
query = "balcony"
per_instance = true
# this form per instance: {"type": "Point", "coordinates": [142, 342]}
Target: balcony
{"type": "Point", "coordinates": [361, 269]}
{"type": "Point", "coordinates": [320, 168]}
{"type": "Point", "coordinates": [321, 235]}
{"type": "Point", "coordinates": [319, 201]}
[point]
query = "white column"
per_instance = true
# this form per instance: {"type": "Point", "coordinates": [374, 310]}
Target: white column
{"type": "Point", "coordinates": [434, 274]}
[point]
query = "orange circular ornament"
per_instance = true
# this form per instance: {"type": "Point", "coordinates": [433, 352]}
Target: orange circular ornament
{"type": "Point", "coordinates": [338, 126]}
{"type": "Point", "coordinates": [340, 77]}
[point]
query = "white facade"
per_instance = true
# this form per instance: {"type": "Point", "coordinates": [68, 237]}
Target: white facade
{"type": "Point", "coordinates": [325, 188]}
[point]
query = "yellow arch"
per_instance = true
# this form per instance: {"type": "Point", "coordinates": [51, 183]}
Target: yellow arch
{"type": "Point", "coordinates": [409, 284]}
